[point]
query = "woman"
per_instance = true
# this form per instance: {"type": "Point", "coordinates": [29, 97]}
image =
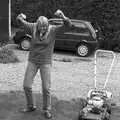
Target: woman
{"type": "Point", "coordinates": [40, 57]}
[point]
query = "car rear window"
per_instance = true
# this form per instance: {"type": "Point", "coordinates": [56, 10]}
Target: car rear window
{"type": "Point", "coordinates": [79, 25]}
{"type": "Point", "coordinates": [79, 28]}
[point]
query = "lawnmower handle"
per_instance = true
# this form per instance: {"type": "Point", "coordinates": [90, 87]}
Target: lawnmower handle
{"type": "Point", "coordinates": [95, 62]}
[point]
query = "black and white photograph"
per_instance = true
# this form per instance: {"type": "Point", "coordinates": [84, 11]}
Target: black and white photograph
{"type": "Point", "coordinates": [60, 60]}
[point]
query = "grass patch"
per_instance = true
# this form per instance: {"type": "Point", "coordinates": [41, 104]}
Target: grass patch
{"type": "Point", "coordinates": [8, 56]}
{"type": "Point", "coordinates": [12, 102]}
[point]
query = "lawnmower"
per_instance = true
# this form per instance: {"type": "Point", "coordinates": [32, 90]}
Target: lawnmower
{"type": "Point", "coordinates": [98, 103]}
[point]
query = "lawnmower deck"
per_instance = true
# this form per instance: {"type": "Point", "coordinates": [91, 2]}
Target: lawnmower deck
{"type": "Point", "coordinates": [91, 116]}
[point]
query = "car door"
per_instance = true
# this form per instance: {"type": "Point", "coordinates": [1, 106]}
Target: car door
{"type": "Point", "coordinates": [60, 38]}
{"type": "Point", "coordinates": [75, 35]}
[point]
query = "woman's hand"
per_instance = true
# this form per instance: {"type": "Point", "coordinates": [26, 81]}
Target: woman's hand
{"type": "Point", "coordinates": [21, 16]}
{"type": "Point", "coordinates": [60, 14]}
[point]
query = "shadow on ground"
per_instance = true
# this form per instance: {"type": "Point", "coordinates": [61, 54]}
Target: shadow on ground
{"type": "Point", "coordinates": [12, 102]}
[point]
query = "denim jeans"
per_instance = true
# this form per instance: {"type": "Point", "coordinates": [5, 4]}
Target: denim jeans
{"type": "Point", "coordinates": [45, 73]}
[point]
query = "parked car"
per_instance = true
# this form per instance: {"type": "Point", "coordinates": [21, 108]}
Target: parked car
{"type": "Point", "coordinates": [80, 37]}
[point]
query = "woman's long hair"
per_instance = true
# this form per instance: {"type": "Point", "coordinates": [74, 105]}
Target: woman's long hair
{"type": "Point", "coordinates": [41, 21]}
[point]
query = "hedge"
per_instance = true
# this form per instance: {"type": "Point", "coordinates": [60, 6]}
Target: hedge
{"type": "Point", "coordinates": [106, 13]}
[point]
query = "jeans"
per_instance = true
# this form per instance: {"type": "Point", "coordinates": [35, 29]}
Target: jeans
{"type": "Point", "coordinates": [45, 72]}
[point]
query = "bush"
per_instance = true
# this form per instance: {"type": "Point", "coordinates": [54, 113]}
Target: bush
{"type": "Point", "coordinates": [104, 13]}
{"type": "Point", "coordinates": [4, 42]}
{"type": "Point", "coordinates": [7, 56]}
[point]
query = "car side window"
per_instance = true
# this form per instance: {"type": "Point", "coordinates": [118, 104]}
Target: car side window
{"type": "Point", "coordinates": [80, 25]}
{"type": "Point", "coordinates": [55, 22]}
{"type": "Point", "coordinates": [79, 28]}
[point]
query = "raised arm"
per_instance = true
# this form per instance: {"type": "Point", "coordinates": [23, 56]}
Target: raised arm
{"type": "Point", "coordinates": [66, 23]}
{"type": "Point", "coordinates": [58, 28]}
{"type": "Point", "coordinates": [66, 20]}
{"type": "Point", "coordinates": [28, 27]}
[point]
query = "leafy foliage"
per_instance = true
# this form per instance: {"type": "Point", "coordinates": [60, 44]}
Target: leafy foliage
{"type": "Point", "coordinates": [7, 56]}
{"type": "Point", "coordinates": [106, 13]}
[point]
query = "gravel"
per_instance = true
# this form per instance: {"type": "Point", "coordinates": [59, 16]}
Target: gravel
{"type": "Point", "coordinates": [72, 76]}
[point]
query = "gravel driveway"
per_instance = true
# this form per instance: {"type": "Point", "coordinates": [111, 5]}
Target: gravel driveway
{"type": "Point", "coordinates": [72, 76]}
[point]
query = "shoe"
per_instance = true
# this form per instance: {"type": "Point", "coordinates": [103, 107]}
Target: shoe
{"type": "Point", "coordinates": [48, 114]}
{"type": "Point", "coordinates": [30, 109]}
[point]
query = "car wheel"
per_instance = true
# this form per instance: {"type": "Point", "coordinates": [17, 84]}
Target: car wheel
{"type": "Point", "coordinates": [83, 50]}
{"type": "Point", "coordinates": [25, 44]}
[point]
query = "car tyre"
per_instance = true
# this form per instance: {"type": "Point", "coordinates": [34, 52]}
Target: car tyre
{"type": "Point", "coordinates": [25, 44]}
{"type": "Point", "coordinates": [83, 50]}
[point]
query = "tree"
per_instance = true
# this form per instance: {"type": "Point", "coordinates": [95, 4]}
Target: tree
{"type": "Point", "coordinates": [106, 13]}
